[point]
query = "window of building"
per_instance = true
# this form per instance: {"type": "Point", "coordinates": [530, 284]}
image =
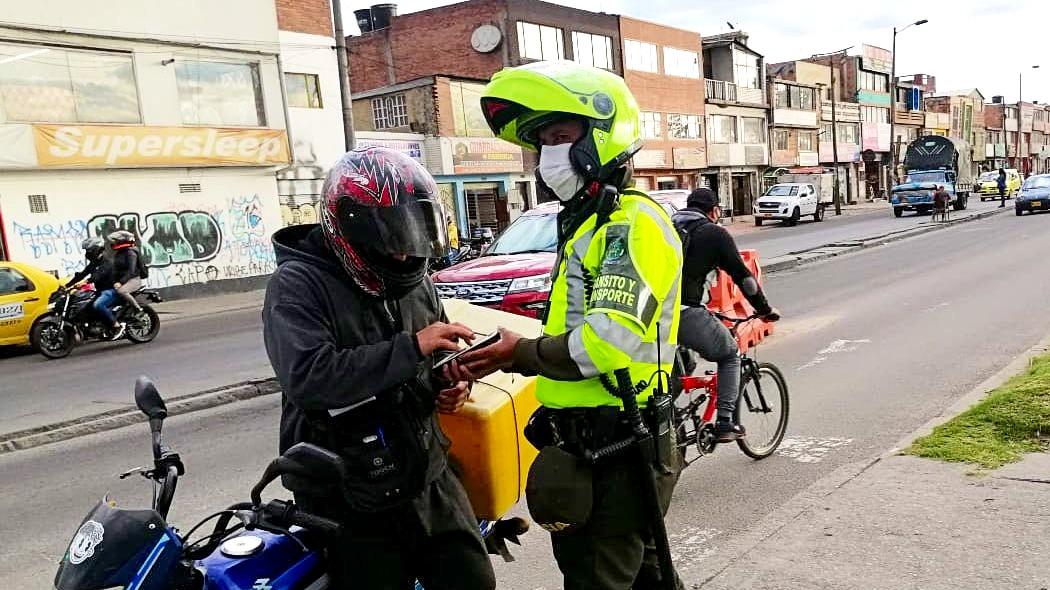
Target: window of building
{"type": "Point", "coordinates": [1011, 113]}
{"type": "Point", "coordinates": [540, 41]}
{"type": "Point", "coordinates": [652, 125]}
{"type": "Point", "coordinates": [1011, 137]}
{"type": "Point", "coordinates": [467, 117]}
{"type": "Point", "coordinates": [53, 85]}
{"type": "Point", "coordinates": [389, 112]}
{"type": "Point", "coordinates": [807, 141]}
{"type": "Point", "coordinates": [872, 81]}
{"type": "Point", "coordinates": [789, 96]}
{"type": "Point", "coordinates": [745, 67]}
{"type": "Point", "coordinates": [682, 63]}
{"type": "Point", "coordinates": [220, 93]}
{"type": "Point", "coordinates": [780, 92]}
{"type": "Point", "coordinates": [304, 90]}
{"type": "Point", "coordinates": [849, 133]}
{"type": "Point", "coordinates": [871, 114]}
{"type": "Point", "coordinates": [683, 126]}
{"type": "Point", "coordinates": [722, 129]}
{"type": "Point", "coordinates": [825, 132]}
{"type": "Point", "coordinates": [592, 50]}
{"type": "Point", "coordinates": [640, 56]}
{"type": "Point", "coordinates": [807, 98]}
{"type": "Point", "coordinates": [780, 139]}
{"type": "Point", "coordinates": [753, 129]}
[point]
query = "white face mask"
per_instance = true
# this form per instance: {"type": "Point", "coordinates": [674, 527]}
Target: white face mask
{"type": "Point", "coordinates": [557, 172]}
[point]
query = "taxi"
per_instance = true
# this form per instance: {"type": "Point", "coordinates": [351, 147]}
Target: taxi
{"type": "Point", "coordinates": [24, 292]}
{"type": "Point", "coordinates": [987, 184]}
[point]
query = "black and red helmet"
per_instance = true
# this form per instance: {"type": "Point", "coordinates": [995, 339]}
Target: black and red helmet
{"type": "Point", "coordinates": [383, 218]}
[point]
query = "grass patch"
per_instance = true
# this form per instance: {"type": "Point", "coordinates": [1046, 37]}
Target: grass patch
{"type": "Point", "coordinates": [1012, 420]}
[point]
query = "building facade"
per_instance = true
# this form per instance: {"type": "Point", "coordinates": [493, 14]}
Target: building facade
{"type": "Point", "coordinates": [846, 154]}
{"type": "Point", "coordinates": [737, 120]}
{"type": "Point", "coordinates": [315, 118]}
{"type": "Point", "coordinates": [909, 114]}
{"type": "Point", "coordinates": [422, 73]}
{"type": "Point", "coordinates": [964, 110]}
{"type": "Point", "coordinates": [662, 66]}
{"type": "Point", "coordinates": [794, 124]}
{"type": "Point", "coordinates": [171, 128]}
{"type": "Point", "coordinates": [995, 135]}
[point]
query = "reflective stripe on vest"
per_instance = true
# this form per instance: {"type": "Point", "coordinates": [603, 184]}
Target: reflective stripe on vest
{"type": "Point", "coordinates": [614, 288]}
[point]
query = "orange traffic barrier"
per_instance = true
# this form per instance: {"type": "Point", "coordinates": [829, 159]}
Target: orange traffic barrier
{"type": "Point", "coordinates": [726, 298]}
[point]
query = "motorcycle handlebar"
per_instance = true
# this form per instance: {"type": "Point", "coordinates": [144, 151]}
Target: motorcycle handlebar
{"type": "Point", "coordinates": [312, 522]}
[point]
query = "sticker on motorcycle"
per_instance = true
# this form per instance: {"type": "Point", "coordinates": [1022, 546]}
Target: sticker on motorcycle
{"type": "Point", "coordinates": [88, 536]}
{"type": "Point", "coordinates": [11, 311]}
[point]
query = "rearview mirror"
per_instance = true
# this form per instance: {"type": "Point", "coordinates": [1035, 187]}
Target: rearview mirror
{"type": "Point", "coordinates": [148, 399]}
{"type": "Point", "coordinates": [315, 463]}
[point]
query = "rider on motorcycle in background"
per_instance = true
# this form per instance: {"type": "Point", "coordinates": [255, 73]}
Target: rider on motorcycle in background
{"type": "Point", "coordinates": [125, 275]}
{"type": "Point", "coordinates": [98, 269]}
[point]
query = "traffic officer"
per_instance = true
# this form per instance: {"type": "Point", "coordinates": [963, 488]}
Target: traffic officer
{"type": "Point", "coordinates": [614, 304]}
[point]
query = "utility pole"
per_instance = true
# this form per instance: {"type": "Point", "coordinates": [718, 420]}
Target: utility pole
{"type": "Point", "coordinates": [344, 74]}
{"type": "Point", "coordinates": [893, 99]}
{"type": "Point", "coordinates": [835, 141]}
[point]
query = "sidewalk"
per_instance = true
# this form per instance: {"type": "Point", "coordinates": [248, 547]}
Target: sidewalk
{"type": "Point", "coordinates": [182, 309]}
{"type": "Point", "coordinates": [911, 523]}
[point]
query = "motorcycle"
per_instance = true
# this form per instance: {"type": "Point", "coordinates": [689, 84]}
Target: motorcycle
{"type": "Point", "coordinates": [252, 544]}
{"type": "Point", "coordinates": [71, 320]}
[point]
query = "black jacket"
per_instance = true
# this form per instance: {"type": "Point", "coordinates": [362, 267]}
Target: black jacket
{"type": "Point", "coordinates": [98, 272]}
{"type": "Point", "coordinates": [332, 345]}
{"type": "Point", "coordinates": [125, 265]}
{"type": "Point", "coordinates": [709, 248]}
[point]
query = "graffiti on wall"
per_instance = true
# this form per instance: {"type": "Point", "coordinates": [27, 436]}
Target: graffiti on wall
{"type": "Point", "coordinates": [180, 247]}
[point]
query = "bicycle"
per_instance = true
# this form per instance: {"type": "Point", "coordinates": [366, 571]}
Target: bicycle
{"type": "Point", "coordinates": [695, 428]}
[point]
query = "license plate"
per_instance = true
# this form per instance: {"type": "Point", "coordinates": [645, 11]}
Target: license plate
{"type": "Point", "coordinates": [1035, 203]}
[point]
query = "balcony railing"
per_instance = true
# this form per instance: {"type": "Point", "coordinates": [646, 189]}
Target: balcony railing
{"type": "Point", "coordinates": [721, 90]}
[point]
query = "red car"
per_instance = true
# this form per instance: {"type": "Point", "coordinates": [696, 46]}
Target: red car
{"type": "Point", "coordinates": [513, 274]}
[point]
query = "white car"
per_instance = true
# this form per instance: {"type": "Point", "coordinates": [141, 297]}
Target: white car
{"type": "Point", "coordinates": [789, 202]}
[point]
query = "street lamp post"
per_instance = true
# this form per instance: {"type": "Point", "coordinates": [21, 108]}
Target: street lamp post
{"type": "Point", "coordinates": [1020, 165]}
{"type": "Point", "coordinates": [834, 128]}
{"type": "Point", "coordinates": [893, 98]}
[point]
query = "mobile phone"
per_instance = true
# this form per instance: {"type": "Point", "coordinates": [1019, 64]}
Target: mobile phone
{"type": "Point", "coordinates": [482, 343]}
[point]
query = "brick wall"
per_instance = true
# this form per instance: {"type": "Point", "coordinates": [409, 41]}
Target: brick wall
{"type": "Point", "coordinates": [657, 92]}
{"type": "Point", "coordinates": [939, 104]}
{"type": "Point", "coordinates": [305, 16]}
{"type": "Point", "coordinates": [426, 43]}
{"type": "Point", "coordinates": [419, 103]}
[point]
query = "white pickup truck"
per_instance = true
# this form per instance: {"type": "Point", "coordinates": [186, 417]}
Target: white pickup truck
{"type": "Point", "coordinates": [790, 201]}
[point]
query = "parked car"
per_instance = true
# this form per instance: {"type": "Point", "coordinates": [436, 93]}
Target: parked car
{"type": "Point", "coordinates": [789, 202]}
{"type": "Point", "coordinates": [513, 274]}
{"type": "Point", "coordinates": [24, 290]}
{"type": "Point", "coordinates": [1034, 195]}
{"type": "Point", "coordinates": [987, 184]}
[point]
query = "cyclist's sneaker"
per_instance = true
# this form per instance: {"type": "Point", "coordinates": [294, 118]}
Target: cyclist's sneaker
{"type": "Point", "coordinates": [726, 431]}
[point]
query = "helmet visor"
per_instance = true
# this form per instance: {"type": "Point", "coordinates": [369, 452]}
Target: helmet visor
{"type": "Point", "coordinates": [414, 227]}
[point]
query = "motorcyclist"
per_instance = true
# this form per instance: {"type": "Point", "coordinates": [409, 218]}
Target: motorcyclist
{"type": "Point", "coordinates": [98, 269]}
{"type": "Point", "coordinates": [708, 248]}
{"type": "Point", "coordinates": [125, 269]}
{"type": "Point", "coordinates": [350, 323]}
{"type": "Point", "coordinates": [127, 265]}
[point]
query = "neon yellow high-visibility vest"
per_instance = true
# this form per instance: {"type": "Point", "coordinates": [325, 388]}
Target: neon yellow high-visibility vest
{"type": "Point", "coordinates": [612, 287]}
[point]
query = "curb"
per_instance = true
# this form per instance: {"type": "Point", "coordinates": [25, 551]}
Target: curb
{"type": "Point", "coordinates": [811, 255]}
{"type": "Point", "coordinates": [60, 431]}
{"type": "Point", "coordinates": [810, 497]}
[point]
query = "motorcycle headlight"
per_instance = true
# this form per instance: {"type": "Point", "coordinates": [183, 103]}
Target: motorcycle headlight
{"type": "Point", "coordinates": [536, 283]}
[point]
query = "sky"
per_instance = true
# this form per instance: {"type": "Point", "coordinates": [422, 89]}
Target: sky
{"type": "Point", "coordinates": [966, 43]}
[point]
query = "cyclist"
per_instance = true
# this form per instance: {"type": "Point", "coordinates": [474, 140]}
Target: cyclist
{"type": "Point", "coordinates": [708, 248]}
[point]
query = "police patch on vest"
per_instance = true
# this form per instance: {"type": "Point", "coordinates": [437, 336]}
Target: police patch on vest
{"type": "Point", "coordinates": [616, 249]}
{"type": "Point", "coordinates": [617, 292]}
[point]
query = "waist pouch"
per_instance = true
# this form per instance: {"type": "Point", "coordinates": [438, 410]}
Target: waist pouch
{"type": "Point", "coordinates": [385, 446]}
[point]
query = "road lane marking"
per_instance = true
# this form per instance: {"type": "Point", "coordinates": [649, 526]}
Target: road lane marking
{"type": "Point", "coordinates": [807, 449]}
{"type": "Point", "coordinates": [836, 347]}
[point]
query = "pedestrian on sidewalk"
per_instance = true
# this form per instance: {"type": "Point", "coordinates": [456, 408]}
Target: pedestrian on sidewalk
{"type": "Point", "coordinates": [1001, 183]}
{"type": "Point", "coordinates": [351, 323]}
{"type": "Point", "coordinates": [941, 199]}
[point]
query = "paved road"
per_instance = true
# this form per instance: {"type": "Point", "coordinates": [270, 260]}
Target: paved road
{"type": "Point", "coordinates": [876, 343]}
{"type": "Point", "coordinates": [776, 239]}
{"type": "Point", "coordinates": [189, 355]}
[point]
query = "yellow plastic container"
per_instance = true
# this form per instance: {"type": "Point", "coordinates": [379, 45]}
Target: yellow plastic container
{"type": "Point", "coordinates": [488, 447]}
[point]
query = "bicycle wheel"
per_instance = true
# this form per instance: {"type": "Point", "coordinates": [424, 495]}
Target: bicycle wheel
{"type": "Point", "coordinates": [762, 410]}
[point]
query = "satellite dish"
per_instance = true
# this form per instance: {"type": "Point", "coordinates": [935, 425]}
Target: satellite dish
{"type": "Point", "coordinates": [486, 38]}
